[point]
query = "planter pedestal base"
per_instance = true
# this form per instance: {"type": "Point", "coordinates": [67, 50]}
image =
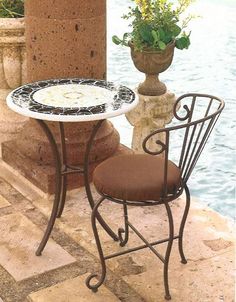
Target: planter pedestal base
{"type": "Point", "coordinates": [152, 85]}
{"type": "Point", "coordinates": [152, 113]}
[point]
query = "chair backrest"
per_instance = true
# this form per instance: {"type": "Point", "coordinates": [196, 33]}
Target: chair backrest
{"type": "Point", "coordinates": [195, 117]}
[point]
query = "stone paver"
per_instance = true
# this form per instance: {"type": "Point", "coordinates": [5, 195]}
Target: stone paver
{"type": "Point", "coordinates": [73, 290]}
{"type": "Point", "coordinates": [18, 242]}
{"type": "Point", "coordinates": [3, 203]}
{"type": "Point", "coordinates": [200, 281]}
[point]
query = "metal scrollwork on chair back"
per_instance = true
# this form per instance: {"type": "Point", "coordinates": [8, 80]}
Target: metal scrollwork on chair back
{"type": "Point", "coordinates": [198, 115]}
{"type": "Point", "coordinates": [201, 115]}
{"type": "Point", "coordinates": [161, 144]}
{"type": "Point", "coordinates": [188, 108]}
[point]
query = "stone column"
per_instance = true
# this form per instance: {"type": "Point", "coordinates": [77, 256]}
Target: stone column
{"type": "Point", "coordinates": [63, 39]}
{"type": "Point", "coordinates": [12, 72]}
{"type": "Point", "coordinates": [152, 113]}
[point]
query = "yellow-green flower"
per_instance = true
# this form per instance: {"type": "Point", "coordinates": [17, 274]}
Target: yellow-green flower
{"type": "Point", "coordinates": [145, 8]}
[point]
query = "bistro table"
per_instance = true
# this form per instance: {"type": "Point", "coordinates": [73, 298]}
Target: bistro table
{"type": "Point", "coordinates": [70, 100]}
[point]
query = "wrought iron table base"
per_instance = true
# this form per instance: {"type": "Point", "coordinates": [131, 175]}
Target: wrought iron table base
{"type": "Point", "coordinates": [62, 169]}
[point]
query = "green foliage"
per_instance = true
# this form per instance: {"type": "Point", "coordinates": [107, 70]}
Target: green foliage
{"type": "Point", "coordinates": [156, 23]}
{"type": "Point", "coordinates": [11, 8]}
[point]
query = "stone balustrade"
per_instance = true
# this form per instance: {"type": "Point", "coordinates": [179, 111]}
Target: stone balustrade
{"type": "Point", "coordinates": [12, 72]}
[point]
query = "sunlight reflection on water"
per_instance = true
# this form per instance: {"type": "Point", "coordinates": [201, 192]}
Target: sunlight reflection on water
{"type": "Point", "coordinates": [209, 66]}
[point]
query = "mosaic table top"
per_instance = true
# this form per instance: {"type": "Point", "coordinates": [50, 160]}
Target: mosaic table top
{"type": "Point", "coordinates": [72, 100]}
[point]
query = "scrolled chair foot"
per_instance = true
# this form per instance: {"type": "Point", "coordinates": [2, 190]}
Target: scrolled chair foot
{"type": "Point", "coordinates": [122, 240]}
{"type": "Point", "coordinates": [168, 297]}
{"type": "Point", "coordinates": [94, 287]}
{"type": "Point", "coordinates": [184, 261]}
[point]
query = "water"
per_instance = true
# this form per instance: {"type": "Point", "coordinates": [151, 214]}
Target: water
{"type": "Point", "coordinates": [208, 66]}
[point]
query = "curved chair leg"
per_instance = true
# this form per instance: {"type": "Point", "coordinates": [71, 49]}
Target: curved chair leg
{"type": "Point", "coordinates": [63, 195]}
{"type": "Point", "coordinates": [168, 251]}
{"type": "Point", "coordinates": [181, 229]}
{"type": "Point", "coordinates": [124, 239]}
{"type": "Point", "coordinates": [56, 202]}
{"type": "Point", "coordinates": [94, 287]}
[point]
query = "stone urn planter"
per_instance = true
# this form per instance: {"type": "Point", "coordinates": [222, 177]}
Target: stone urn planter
{"type": "Point", "coordinates": [12, 72]}
{"type": "Point", "coordinates": [152, 63]}
{"type": "Point", "coordinates": [155, 108]}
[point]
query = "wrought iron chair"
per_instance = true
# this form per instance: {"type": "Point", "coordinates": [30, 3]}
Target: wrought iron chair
{"type": "Point", "coordinates": [151, 179]}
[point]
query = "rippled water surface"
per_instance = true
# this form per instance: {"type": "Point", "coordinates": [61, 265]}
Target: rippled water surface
{"type": "Point", "coordinates": [208, 66]}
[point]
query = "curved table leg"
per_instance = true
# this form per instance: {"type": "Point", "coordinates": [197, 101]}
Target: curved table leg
{"type": "Point", "coordinates": [58, 187]}
{"type": "Point", "coordinates": [87, 183]}
{"type": "Point", "coordinates": [63, 195]}
{"type": "Point", "coordinates": [63, 176]}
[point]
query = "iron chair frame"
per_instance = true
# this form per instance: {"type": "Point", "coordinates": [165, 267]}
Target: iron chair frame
{"type": "Point", "coordinates": [123, 233]}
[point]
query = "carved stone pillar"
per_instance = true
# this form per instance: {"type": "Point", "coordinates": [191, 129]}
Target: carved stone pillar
{"type": "Point", "coordinates": [63, 39]}
{"type": "Point", "coordinates": [152, 113]}
{"type": "Point", "coordinates": [12, 72]}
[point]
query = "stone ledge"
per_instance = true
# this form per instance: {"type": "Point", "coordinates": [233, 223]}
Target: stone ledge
{"type": "Point", "coordinates": [20, 183]}
{"type": "Point", "coordinates": [41, 177]}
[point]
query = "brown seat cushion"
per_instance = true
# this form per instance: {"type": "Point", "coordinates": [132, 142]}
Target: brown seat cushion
{"type": "Point", "coordinates": [135, 177]}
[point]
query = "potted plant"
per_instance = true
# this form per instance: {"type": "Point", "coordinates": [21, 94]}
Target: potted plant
{"type": "Point", "coordinates": [12, 62]}
{"type": "Point", "coordinates": [157, 29]}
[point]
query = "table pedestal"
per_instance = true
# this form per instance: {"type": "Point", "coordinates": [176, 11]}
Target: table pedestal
{"type": "Point", "coordinates": [30, 154]}
{"type": "Point", "coordinates": [63, 170]}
